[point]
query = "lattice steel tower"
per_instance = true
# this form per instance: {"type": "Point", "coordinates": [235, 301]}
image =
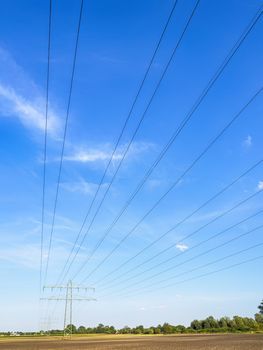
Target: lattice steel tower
{"type": "Point", "coordinates": [68, 298]}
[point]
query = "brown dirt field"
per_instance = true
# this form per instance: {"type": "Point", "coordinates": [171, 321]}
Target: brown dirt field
{"type": "Point", "coordinates": [185, 342]}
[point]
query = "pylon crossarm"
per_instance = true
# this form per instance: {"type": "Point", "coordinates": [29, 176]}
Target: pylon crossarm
{"type": "Point", "coordinates": [63, 299]}
{"type": "Point", "coordinates": [69, 287]}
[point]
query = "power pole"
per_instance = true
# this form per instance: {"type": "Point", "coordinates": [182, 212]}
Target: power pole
{"type": "Point", "coordinates": [68, 298]}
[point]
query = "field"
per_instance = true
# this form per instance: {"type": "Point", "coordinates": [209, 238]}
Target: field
{"type": "Point", "coordinates": [184, 342]}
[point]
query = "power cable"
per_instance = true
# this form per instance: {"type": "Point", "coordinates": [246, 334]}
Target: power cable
{"type": "Point", "coordinates": [211, 272]}
{"type": "Point", "coordinates": [133, 136]}
{"type": "Point", "coordinates": [176, 182]}
{"type": "Point", "coordinates": [45, 146]}
{"type": "Point", "coordinates": [205, 252]}
{"type": "Point", "coordinates": [184, 122]}
{"type": "Point", "coordinates": [64, 136]}
{"type": "Point", "coordinates": [120, 136]}
{"type": "Point", "coordinates": [186, 218]}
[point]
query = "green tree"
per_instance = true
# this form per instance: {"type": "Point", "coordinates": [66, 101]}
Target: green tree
{"type": "Point", "coordinates": [148, 330]}
{"type": "Point", "coordinates": [251, 323]}
{"type": "Point", "coordinates": [167, 328]}
{"type": "Point", "coordinates": [259, 319]}
{"type": "Point", "coordinates": [138, 330]}
{"type": "Point", "coordinates": [223, 322]}
{"type": "Point", "coordinates": [239, 322]}
{"type": "Point", "coordinates": [212, 321]}
{"type": "Point", "coordinates": [260, 307]}
{"type": "Point", "coordinates": [81, 330]}
{"type": "Point", "coordinates": [157, 330]}
{"type": "Point", "coordinates": [179, 329]}
{"type": "Point", "coordinates": [72, 328]}
{"type": "Point", "coordinates": [195, 324]}
{"type": "Point", "coordinates": [206, 323]}
{"type": "Point", "coordinates": [125, 330]}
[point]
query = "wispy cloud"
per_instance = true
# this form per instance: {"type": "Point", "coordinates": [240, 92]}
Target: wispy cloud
{"type": "Point", "coordinates": [152, 184]}
{"type": "Point", "coordinates": [81, 186]}
{"type": "Point", "coordinates": [90, 156]}
{"type": "Point", "coordinates": [104, 152]}
{"type": "Point", "coordinates": [20, 98]}
{"type": "Point", "coordinates": [182, 247]}
{"type": "Point", "coordinates": [260, 185]}
{"type": "Point", "coordinates": [248, 141]}
{"type": "Point", "coordinates": [30, 113]}
{"type": "Point", "coordinates": [26, 255]}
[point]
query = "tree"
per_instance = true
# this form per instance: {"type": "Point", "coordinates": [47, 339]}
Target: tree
{"type": "Point", "coordinates": [250, 323]}
{"type": "Point", "coordinates": [260, 307]}
{"type": "Point", "coordinates": [72, 328]}
{"type": "Point", "coordinates": [157, 330]}
{"type": "Point", "coordinates": [138, 330]}
{"type": "Point", "coordinates": [259, 319]}
{"type": "Point", "coordinates": [196, 325]}
{"type": "Point", "coordinates": [82, 330]}
{"type": "Point", "coordinates": [148, 330]}
{"type": "Point", "coordinates": [223, 322]}
{"type": "Point", "coordinates": [206, 323]}
{"type": "Point", "coordinates": [167, 328]}
{"type": "Point", "coordinates": [179, 329]}
{"type": "Point", "coordinates": [212, 321]}
{"type": "Point", "coordinates": [239, 322]}
{"type": "Point", "coordinates": [125, 330]}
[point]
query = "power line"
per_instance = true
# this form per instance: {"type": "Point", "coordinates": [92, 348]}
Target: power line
{"type": "Point", "coordinates": [133, 136]}
{"type": "Point", "coordinates": [177, 132]}
{"type": "Point", "coordinates": [187, 217]}
{"type": "Point", "coordinates": [212, 272]}
{"type": "Point", "coordinates": [220, 233]}
{"type": "Point", "coordinates": [120, 135]}
{"type": "Point", "coordinates": [64, 135]}
{"type": "Point", "coordinates": [204, 265]}
{"type": "Point", "coordinates": [178, 180]}
{"type": "Point", "coordinates": [45, 146]}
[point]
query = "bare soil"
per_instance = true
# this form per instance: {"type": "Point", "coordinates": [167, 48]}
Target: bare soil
{"type": "Point", "coordinates": [184, 342]}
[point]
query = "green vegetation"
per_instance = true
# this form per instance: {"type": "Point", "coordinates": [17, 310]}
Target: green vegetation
{"type": "Point", "coordinates": [209, 325]}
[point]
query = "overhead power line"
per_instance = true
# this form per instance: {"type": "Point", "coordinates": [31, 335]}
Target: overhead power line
{"type": "Point", "coordinates": [64, 136]}
{"type": "Point", "coordinates": [45, 145]}
{"type": "Point", "coordinates": [178, 180]}
{"type": "Point", "coordinates": [212, 262]}
{"type": "Point", "coordinates": [118, 140]}
{"type": "Point", "coordinates": [201, 267]}
{"type": "Point", "coordinates": [175, 135]}
{"type": "Point", "coordinates": [220, 233]}
{"type": "Point", "coordinates": [178, 224]}
{"type": "Point", "coordinates": [132, 138]}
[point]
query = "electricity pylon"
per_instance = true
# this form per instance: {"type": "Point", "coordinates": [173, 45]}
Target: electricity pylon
{"type": "Point", "coordinates": [68, 298]}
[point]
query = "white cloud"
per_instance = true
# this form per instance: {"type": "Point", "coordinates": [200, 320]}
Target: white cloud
{"type": "Point", "coordinates": [104, 152]}
{"type": "Point", "coordinates": [152, 184]}
{"type": "Point", "coordinates": [30, 113]}
{"type": "Point", "coordinates": [260, 185]}
{"type": "Point", "coordinates": [182, 247]}
{"type": "Point", "coordinates": [248, 141]}
{"type": "Point", "coordinates": [81, 186]}
{"type": "Point", "coordinates": [26, 255]}
{"type": "Point", "coordinates": [90, 155]}
{"type": "Point", "coordinates": [142, 308]}
{"type": "Point", "coordinates": [21, 98]}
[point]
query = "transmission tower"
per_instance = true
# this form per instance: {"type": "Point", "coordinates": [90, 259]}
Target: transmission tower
{"type": "Point", "coordinates": [68, 298]}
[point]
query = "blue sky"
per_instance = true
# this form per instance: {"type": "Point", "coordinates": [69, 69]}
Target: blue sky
{"type": "Point", "coordinates": [116, 42]}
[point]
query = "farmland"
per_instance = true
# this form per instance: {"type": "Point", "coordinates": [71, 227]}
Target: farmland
{"type": "Point", "coordinates": [178, 342]}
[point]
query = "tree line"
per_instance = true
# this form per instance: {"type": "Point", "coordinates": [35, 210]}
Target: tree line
{"type": "Point", "coordinates": [208, 325]}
